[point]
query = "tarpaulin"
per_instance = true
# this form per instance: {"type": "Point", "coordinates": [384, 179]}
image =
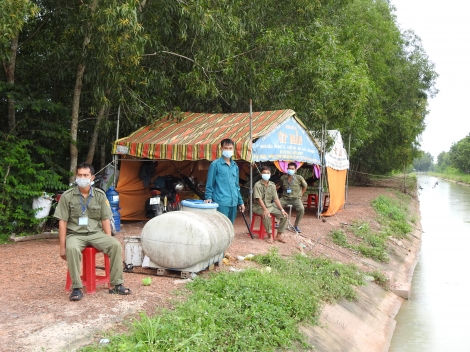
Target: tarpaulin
{"type": "Point", "coordinates": [336, 186]}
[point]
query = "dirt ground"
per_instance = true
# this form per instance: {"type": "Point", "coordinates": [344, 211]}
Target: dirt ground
{"type": "Point", "coordinates": [37, 315]}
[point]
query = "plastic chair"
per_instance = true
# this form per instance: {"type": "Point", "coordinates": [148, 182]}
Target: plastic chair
{"type": "Point", "coordinates": [311, 196]}
{"type": "Point", "coordinates": [261, 231]}
{"type": "Point", "coordinates": [89, 277]}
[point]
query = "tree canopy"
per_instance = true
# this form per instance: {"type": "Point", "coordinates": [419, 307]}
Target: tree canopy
{"type": "Point", "coordinates": [70, 65]}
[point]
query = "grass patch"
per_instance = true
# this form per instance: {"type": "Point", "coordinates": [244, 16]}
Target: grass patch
{"type": "Point", "coordinates": [393, 217]}
{"type": "Point", "coordinates": [373, 245]}
{"type": "Point", "coordinates": [453, 174]}
{"type": "Point", "coordinates": [379, 277]}
{"type": "Point", "coordinates": [254, 310]}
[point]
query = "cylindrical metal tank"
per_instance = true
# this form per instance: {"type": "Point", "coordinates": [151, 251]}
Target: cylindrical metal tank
{"type": "Point", "coordinates": [182, 239]}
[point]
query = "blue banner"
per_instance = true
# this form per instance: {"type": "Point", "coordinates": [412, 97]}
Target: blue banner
{"type": "Point", "coordinates": [289, 142]}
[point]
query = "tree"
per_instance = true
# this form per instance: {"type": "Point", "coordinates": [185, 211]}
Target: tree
{"type": "Point", "coordinates": [13, 15]}
{"type": "Point", "coordinates": [459, 155]}
{"type": "Point", "coordinates": [424, 163]}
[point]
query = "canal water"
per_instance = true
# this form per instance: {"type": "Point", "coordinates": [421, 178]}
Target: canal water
{"type": "Point", "coordinates": [437, 317]}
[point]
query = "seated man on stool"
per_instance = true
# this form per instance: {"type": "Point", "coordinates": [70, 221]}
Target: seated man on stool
{"type": "Point", "coordinates": [84, 220]}
{"type": "Point", "coordinates": [293, 188]}
{"type": "Point", "coordinates": [264, 194]}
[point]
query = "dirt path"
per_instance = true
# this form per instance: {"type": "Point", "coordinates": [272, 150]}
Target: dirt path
{"type": "Point", "coordinates": [36, 314]}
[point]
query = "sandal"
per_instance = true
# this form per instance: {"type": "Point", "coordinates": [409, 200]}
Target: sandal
{"type": "Point", "coordinates": [280, 239]}
{"type": "Point", "coordinates": [76, 294]}
{"type": "Point", "coordinates": [120, 290]}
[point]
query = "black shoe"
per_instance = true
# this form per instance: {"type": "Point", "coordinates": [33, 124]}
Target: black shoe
{"type": "Point", "coordinates": [76, 294]}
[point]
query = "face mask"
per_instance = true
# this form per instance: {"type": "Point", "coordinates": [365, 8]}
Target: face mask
{"type": "Point", "coordinates": [290, 172]}
{"type": "Point", "coordinates": [227, 153]}
{"type": "Point", "coordinates": [82, 182]}
{"type": "Point", "coordinates": [266, 177]}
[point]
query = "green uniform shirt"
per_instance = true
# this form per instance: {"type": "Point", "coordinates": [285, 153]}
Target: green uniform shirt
{"type": "Point", "coordinates": [267, 194]}
{"type": "Point", "coordinates": [96, 207]}
{"type": "Point", "coordinates": [296, 185]}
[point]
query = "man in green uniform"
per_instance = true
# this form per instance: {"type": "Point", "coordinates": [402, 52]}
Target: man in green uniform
{"type": "Point", "coordinates": [265, 193]}
{"type": "Point", "coordinates": [222, 184]}
{"type": "Point", "coordinates": [84, 220]}
{"type": "Point", "coordinates": [293, 188]}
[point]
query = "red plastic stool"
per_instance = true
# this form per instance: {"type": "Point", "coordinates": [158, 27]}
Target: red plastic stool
{"type": "Point", "coordinates": [89, 277]}
{"type": "Point", "coordinates": [261, 231]}
{"type": "Point", "coordinates": [309, 200]}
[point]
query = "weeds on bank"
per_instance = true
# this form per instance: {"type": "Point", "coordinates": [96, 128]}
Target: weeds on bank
{"type": "Point", "coordinates": [453, 174]}
{"type": "Point", "coordinates": [254, 310]}
{"type": "Point", "coordinates": [392, 215]}
{"type": "Point", "coordinates": [372, 245]}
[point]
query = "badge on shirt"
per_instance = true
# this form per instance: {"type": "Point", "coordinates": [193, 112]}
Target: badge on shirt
{"type": "Point", "coordinates": [289, 191]}
{"type": "Point", "coordinates": [83, 220]}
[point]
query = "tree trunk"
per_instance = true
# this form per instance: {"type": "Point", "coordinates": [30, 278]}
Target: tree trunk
{"type": "Point", "coordinates": [74, 124]}
{"type": "Point", "coordinates": [9, 67]}
{"type": "Point", "coordinates": [94, 138]}
{"type": "Point", "coordinates": [76, 99]}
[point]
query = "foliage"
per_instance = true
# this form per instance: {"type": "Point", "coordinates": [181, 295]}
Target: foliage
{"type": "Point", "coordinates": [254, 310]}
{"type": "Point", "coordinates": [459, 155]}
{"type": "Point", "coordinates": [372, 245]}
{"type": "Point", "coordinates": [451, 173]}
{"type": "Point", "coordinates": [424, 163]}
{"type": "Point", "coordinates": [393, 215]}
{"type": "Point", "coordinates": [13, 15]}
{"type": "Point", "coordinates": [443, 161]}
{"type": "Point", "coordinates": [21, 181]}
{"type": "Point", "coordinates": [153, 58]}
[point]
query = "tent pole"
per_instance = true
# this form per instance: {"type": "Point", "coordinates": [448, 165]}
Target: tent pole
{"type": "Point", "coordinates": [320, 186]}
{"type": "Point", "coordinates": [117, 137]}
{"type": "Point", "coordinates": [347, 173]}
{"type": "Point", "coordinates": [251, 161]}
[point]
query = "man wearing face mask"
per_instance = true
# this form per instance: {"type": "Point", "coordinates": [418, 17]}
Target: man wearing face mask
{"type": "Point", "coordinates": [264, 194]}
{"type": "Point", "coordinates": [293, 188]}
{"type": "Point", "coordinates": [222, 184]}
{"type": "Point", "coordinates": [84, 220]}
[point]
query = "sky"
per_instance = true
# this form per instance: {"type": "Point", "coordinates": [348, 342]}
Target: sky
{"type": "Point", "coordinates": [444, 28]}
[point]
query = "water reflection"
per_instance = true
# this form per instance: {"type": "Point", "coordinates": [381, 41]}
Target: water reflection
{"type": "Point", "coordinates": [437, 316]}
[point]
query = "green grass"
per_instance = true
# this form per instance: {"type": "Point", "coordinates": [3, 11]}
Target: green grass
{"type": "Point", "coordinates": [392, 215]}
{"type": "Point", "coordinates": [373, 245]}
{"type": "Point", "coordinates": [254, 310]}
{"type": "Point", "coordinates": [452, 174]}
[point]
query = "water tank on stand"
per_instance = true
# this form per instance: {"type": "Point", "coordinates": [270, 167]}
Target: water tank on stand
{"type": "Point", "coordinates": [113, 198]}
{"type": "Point", "coordinates": [189, 240]}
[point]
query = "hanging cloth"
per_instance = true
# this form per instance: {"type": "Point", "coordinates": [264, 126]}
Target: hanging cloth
{"type": "Point", "coordinates": [336, 186]}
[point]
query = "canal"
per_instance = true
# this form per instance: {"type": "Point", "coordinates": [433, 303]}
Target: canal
{"type": "Point", "coordinates": [437, 317]}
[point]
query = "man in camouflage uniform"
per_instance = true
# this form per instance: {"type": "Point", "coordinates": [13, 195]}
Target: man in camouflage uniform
{"type": "Point", "coordinates": [84, 220]}
{"type": "Point", "coordinates": [265, 194]}
{"type": "Point", "coordinates": [293, 188]}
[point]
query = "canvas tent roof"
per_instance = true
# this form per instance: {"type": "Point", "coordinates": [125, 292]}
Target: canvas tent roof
{"type": "Point", "coordinates": [337, 157]}
{"type": "Point", "coordinates": [277, 135]}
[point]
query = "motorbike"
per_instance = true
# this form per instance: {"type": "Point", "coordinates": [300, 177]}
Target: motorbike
{"type": "Point", "coordinates": [164, 196]}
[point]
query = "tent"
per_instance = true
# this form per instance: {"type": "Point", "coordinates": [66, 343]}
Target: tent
{"type": "Point", "coordinates": [337, 165]}
{"type": "Point", "coordinates": [188, 142]}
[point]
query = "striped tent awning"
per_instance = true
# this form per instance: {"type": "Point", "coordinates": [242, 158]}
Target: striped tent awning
{"type": "Point", "coordinates": [197, 136]}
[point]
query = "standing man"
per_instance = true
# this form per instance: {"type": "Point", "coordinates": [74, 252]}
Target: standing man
{"type": "Point", "coordinates": [222, 184]}
{"type": "Point", "coordinates": [265, 193]}
{"type": "Point", "coordinates": [293, 188]}
{"type": "Point", "coordinates": [84, 220]}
